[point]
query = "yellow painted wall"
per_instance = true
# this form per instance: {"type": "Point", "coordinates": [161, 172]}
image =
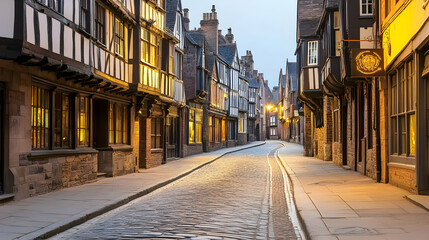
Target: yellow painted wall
{"type": "Point", "coordinates": [398, 30]}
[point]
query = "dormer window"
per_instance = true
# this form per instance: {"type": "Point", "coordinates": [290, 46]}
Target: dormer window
{"type": "Point", "coordinates": [366, 7]}
{"type": "Point", "coordinates": [312, 53]}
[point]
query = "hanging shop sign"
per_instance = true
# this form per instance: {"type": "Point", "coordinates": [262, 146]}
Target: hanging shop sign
{"type": "Point", "coordinates": [367, 63]}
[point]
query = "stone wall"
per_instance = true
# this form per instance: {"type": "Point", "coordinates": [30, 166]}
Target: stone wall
{"type": "Point", "coordinates": [403, 178]}
{"type": "Point", "coordinates": [242, 139]}
{"type": "Point", "coordinates": [117, 161]}
{"type": "Point", "coordinates": [43, 175]}
{"type": "Point", "coordinates": [337, 156]}
{"type": "Point", "coordinates": [319, 143]}
{"type": "Point", "coordinates": [192, 149]}
{"type": "Point", "coordinates": [308, 144]}
{"type": "Point", "coordinates": [328, 128]}
{"type": "Point", "coordinates": [216, 146]}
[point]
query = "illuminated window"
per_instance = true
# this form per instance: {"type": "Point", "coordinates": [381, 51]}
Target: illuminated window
{"type": "Point", "coordinates": [242, 128]}
{"type": "Point", "coordinates": [217, 129]}
{"type": "Point", "coordinates": [62, 128]}
{"type": "Point", "coordinates": [171, 59]}
{"type": "Point", "coordinates": [119, 37]}
{"type": "Point", "coordinates": [366, 7]}
{"type": "Point", "coordinates": [40, 118]}
{"type": "Point", "coordinates": [211, 129]}
{"type": "Point", "coordinates": [118, 123]}
{"type": "Point", "coordinates": [403, 113]}
{"type": "Point", "coordinates": [83, 121]}
{"type": "Point", "coordinates": [198, 125]}
{"type": "Point", "coordinates": [223, 130]}
{"type": "Point", "coordinates": [191, 126]}
{"type": "Point", "coordinates": [312, 53]}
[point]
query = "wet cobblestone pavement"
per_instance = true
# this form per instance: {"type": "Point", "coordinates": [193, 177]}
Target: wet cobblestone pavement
{"type": "Point", "coordinates": [228, 199]}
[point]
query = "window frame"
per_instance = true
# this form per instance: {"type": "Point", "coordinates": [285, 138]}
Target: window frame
{"type": "Point", "coordinates": [312, 48]}
{"type": "Point", "coordinates": [100, 24]}
{"type": "Point", "coordinates": [366, 6]}
{"type": "Point", "coordinates": [43, 107]}
{"type": "Point", "coordinates": [157, 134]}
{"type": "Point", "coordinates": [402, 90]}
{"type": "Point", "coordinates": [119, 124]}
{"type": "Point", "coordinates": [87, 128]}
{"type": "Point", "coordinates": [84, 15]}
{"type": "Point", "coordinates": [69, 114]}
{"type": "Point", "coordinates": [119, 37]}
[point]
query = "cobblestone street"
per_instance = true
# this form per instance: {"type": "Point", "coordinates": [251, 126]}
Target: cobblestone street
{"type": "Point", "coordinates": [235, 197]}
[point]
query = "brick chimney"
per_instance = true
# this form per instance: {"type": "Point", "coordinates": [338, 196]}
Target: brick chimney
{"type": "Point", "coordinates": [210, 27]}
{"type": "Point", "coordinates": [229, 36]}
{"type": "Point", "coordinates": [186, 19]}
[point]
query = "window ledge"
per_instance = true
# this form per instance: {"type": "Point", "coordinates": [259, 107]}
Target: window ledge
{"type": "Point", "coordinates": [117, 147]}
{"type": "Point", "coordinates": [157, 150]}
{"type": "Point", "coordinates": [366, 16]}
{"type": "Point", "coordinates": [60, 152]}
{"type": "Point", "coordinates": [402, 165]}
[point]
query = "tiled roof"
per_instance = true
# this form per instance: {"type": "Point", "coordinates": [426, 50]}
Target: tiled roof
{"type": "Point", "coordinates": [228, 52]}
{"type": "Point", "coordinates": [253, 83]}
{"type": "Point", "coordinates": [283, 80]}
{"type": "Point", "coordinates": [309, 13]}
{"type": "Point", "coordinates": [293, 81]}
{"type": "Point", "coordinates": [332, 3]}
{"type": "Point", "coordinates": [291, 66]}
{"type": "Point", "coordinates": [191, 39]}
{"type": "Point", "coordinates": [170, 16]}
{"type": "Point", "coordinates": [198, 37]}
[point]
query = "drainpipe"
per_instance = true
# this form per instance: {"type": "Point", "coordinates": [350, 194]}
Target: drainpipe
{"type": "Point", "coordinates": [377, 105]}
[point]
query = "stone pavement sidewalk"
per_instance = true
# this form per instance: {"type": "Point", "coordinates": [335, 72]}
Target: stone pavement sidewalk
{"type": "Point", "coordinates": [45, 215]}
{"type": "Point", "coordinates": [335, 203]}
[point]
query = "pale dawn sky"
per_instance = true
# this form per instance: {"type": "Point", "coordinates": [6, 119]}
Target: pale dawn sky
{"type": "Point", "coordinates": [267, 28]}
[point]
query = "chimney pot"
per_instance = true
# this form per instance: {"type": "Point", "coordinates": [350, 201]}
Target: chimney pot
{"type": "Point", "coordinates": [213, 8]}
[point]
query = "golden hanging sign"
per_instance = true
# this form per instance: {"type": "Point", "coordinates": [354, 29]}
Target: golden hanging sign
{"type": "Point", "coordinates": [367, 63]}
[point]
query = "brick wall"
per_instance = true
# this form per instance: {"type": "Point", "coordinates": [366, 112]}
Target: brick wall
{"type": "Point", "coordinates": [403, 178]}
{"type": "Point", "coordinates": [350, 134]}
{"type": "Point", "coordinates": [328, 129]}
{"type": "Point", "coordinates": [308, 144]}
{"type": "Point", "coordinates": [319, 143]}
{"type": "Point", "coordinates": [192, 149]}
{"type": "Point", "coordinates": [242, 138]}
{"type": "Point", "coordinates": [148, 157]}
{"type": "Point", "coordinates": [39, 176]}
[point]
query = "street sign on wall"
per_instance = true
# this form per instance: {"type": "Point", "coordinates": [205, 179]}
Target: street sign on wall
{"type": "Point", "coordinates": [367, 62]}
